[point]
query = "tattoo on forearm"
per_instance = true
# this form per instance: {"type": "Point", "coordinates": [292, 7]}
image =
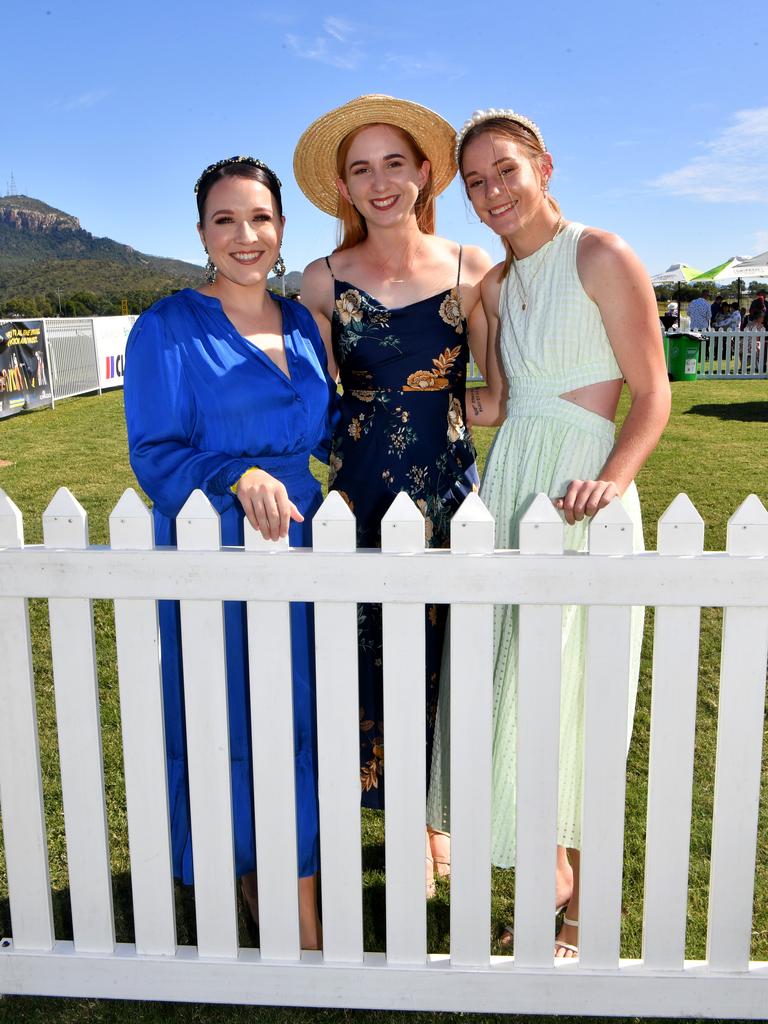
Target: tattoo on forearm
{"type": "Point", "coordinates": [477, 405]}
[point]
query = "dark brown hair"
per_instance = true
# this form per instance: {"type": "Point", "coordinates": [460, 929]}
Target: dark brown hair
{"type": "Point", "coordinates": [238, 170]}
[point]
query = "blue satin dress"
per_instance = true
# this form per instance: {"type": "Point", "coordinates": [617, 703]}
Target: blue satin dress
{"type": "Point", "coordinates": [202, 405]}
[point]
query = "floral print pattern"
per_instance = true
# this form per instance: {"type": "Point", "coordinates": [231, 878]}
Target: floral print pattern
{"type": "Point", "coordinates": [451, 310]}
{"type": "Point", "coordinates": [402, 428]}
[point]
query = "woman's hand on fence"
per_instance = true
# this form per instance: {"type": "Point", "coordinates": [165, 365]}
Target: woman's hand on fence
{"type": "Point", "coordinates": [585, 498]}
{"type": "Point", "coordinates": [266, 504]}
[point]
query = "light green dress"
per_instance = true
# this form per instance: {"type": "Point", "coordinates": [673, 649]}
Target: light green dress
{"type": "Point", "coordinates": [556, 345]}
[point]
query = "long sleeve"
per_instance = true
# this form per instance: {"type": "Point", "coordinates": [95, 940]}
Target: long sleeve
{"type": "Point", "coordinates": [161, 415]}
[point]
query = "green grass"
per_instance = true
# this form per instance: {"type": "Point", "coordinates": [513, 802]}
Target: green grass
{"type": "Point", "coordinates": [713, 450]}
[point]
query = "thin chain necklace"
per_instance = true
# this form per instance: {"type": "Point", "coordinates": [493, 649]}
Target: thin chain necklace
{"type": "Point", "coordinates": [523, 292]}
{"type": "Point", "coordinates": [403, 265]}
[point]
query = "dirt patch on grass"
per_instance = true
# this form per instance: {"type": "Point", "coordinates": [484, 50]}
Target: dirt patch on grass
{"type": "Point", "coordinates": [4, 463]}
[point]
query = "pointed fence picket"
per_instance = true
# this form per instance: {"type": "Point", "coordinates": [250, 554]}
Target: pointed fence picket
{"type": "Point", "coordinates": [141, 717]}
{"type": "Point", "coordinates": [73, 652]}
{"type": "Point", "coordinates": [333, 531]}
{"type": "Point", "coordinates": [21, 791]}
{"type": "Point", "coordinates": [670, 772]}
{"type": "Point", "coordinates": [207, 725]}
{"type": "Point", "coordinates": [605, 751]}
{"type": "Point", "coordinates": [471, 694]}
{"type": "Point", "coordinates": [403, 654]}
{"type": "Point", "coordinates": [739, 756]}
{"type": "Point", "coordinates": [271, 691]}
{"type": "Point", "coordinates": [538, 740]}
{"type": "Point", "coordinates": [403, 577]}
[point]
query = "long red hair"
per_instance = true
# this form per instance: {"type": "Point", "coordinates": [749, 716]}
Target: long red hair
{"type": "Point", "coordinates": [352, 226]}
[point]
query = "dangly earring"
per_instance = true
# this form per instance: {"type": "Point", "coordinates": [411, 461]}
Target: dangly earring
{"type": "Point", "coordinates": [210, 269]}
{"type": "Point", "coordinates": [279, 267]}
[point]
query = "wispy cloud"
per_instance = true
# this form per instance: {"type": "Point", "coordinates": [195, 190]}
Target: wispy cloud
{"type": "Point", "coordinates": [82, 101]}
{"type": "Point", "coordinates": [339, 29]}
{"type": "Point", "coordinates": [408, 65]}
{"type": "Point", "coordinates": [733, 168]}
{"type": "Point", "coordinates": [337, 46]}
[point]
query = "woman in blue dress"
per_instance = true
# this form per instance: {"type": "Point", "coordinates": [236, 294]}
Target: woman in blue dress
{"type": "Point", "coordinates": [397, 307]}
{"type": "Point", "coordinates": [227, 390]}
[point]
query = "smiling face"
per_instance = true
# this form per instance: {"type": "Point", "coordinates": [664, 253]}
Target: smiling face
{"type": "Point", "coordinates": [504, 182]}
{"type": "Point", "coordinates": [382, 175]}
{"type": "Point", "coordinates": [242, 229]}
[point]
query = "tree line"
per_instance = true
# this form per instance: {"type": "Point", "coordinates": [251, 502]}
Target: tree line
{"type": "Point", "coordinates": [689, 292]}
{"type": "Point", "coordinates": [78, 303]}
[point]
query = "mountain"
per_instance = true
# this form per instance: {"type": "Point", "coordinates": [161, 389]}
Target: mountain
{"type": "Point", "coordinates": [292, 283]}
{"type": "Point", "coordinates": [45, 252]}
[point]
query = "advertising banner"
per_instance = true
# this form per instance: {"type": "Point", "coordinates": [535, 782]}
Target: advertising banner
{"type": "Point", "coordinates": [24, 374]}
{"type": "Point", "coordinates": [110, 334]}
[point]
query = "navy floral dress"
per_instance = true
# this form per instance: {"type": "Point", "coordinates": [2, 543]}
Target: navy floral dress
{"type": "Point", "coordinates": [402, 428]}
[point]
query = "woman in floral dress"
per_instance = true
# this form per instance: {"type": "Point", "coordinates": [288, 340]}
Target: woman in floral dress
{"type": "Point", "coordinates": [397, 307]}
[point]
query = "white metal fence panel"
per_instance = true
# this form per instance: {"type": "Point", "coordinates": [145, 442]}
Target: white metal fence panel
{"type": "Point", "coordinates": [72, 357]}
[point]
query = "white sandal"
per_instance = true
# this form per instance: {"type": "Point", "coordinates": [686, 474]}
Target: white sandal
{"type": "Point", "coordinates": [559, 944]}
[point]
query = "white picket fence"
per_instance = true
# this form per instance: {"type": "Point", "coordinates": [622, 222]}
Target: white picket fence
{"type": "Point", "coordinates": [734, 354]}
{"type": "Point", "coordinates": [678, 580]}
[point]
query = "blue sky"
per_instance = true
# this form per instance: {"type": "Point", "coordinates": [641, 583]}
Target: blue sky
{"type": "Point", "coordinates": [656, 113]}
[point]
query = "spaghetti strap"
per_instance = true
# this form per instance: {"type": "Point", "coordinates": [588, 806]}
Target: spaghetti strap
{"type": "Point", "coordinates": [458, 274]}
{"type": "Point", "coordinates": [328, 264]}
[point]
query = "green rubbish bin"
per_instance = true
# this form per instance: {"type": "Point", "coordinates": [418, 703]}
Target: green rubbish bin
{"type": "Point", "coordinates": [666, 351]}
{"type": "Point", "coordinates": [683, 356]}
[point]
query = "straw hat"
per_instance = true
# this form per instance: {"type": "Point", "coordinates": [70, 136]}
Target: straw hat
{"type": "Point", "coordinates": [314, 162]}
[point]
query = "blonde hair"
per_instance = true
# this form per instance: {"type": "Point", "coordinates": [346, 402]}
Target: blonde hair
{"type": "Point", "coordinates": [352, 227]}
{"type": "Point", "coordinates": [527, 142]}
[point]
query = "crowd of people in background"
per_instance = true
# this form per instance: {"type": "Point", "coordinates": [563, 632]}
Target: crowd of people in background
{"type": "Point", "coordinates": [719, 315]}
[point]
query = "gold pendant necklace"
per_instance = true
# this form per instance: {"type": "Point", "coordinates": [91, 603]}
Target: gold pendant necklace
{"type": "Point", "coordinates": [524, 305]}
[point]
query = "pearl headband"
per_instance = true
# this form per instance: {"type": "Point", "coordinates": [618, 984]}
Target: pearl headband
{"type": "Point", "coordinates": [485, 115]}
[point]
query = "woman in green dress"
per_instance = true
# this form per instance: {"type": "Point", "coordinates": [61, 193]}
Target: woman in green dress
{"type": "Point", "coordinates": [574, 315]}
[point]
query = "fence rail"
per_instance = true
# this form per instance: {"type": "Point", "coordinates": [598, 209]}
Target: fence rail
{"type": "Point", "coordinates": [678, 580]}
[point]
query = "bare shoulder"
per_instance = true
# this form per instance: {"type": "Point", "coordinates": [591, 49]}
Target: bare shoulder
{"type": "Point", "coordinates": [605, 260]}
{"type": "Point", "coordinates": [475, 262]}
{"type": "Point", "coordinates": [491, 283]}
{"type": "Point", "coordinates": [317, 286]}
{"type": "Point", "coordinates": [602, 249]}
{"type": "Point", "coordinates": [316, 270]}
